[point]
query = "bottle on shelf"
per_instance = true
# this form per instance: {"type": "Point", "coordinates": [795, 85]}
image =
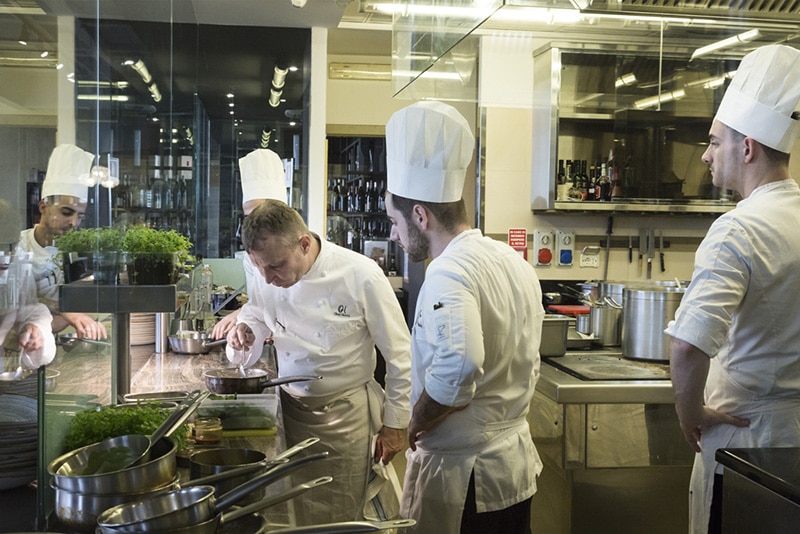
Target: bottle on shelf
{"type": "Point", "coordinates": [168, 200]}
{"type": "Point", "coordinates": [156, 191]}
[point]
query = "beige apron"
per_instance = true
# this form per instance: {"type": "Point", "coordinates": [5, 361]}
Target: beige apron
{"type": "Point", "coordinates": [344, 423]}
{"type": "Point", "coordinates": [765, 417]}
{"type": "Point", "coordinates": [435, 484]}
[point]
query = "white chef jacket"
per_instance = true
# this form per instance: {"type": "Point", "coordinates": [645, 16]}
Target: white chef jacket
{"type": "Point", "coordinates": [46, 269]}
{"type": "Point", "coordinates": [741, 310]}
{"type": "Point", "coordinates": [475, 343]}
{"type": "Point", "coordinates": [329, 323]}
{"type": "Point", "coordinates": [18, 310]}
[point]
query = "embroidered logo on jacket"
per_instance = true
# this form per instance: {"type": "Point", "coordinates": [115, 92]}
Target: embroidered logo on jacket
{"type": "Point", "coordinates": [341, 311]}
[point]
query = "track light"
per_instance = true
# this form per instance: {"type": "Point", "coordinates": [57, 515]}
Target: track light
{"type": "Point", "coordinates": [744, 37]}
{"type": "Point", "coordinates": [275, 98]}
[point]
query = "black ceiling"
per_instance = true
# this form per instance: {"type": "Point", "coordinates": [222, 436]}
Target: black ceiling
{"type": "Point", "coordinates": [208, 60]}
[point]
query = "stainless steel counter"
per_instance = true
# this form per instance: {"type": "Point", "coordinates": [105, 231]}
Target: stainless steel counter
{"type": "Point", "coordinates": [565, 388]}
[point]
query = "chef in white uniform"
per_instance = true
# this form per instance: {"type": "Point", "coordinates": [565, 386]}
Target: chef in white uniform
{"type": "Point", "coordinates": [20, 312]}
{"type": "Point", "coordinates": [472, 465]}
{"type": "Point", "coordinates": [263, 177]}
{"type": "Point", "coordinates": [62, 208]}
{"type": "Point", "coordinates": [735, 357]}
{"type": "Point", "coordinates": [327, 309]}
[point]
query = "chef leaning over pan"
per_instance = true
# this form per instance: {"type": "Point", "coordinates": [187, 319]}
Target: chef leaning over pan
{"type": "Point", "coordinates": [735, 360]}
{"type": "Point", "coordinates": [327, 309]}
{"type": "Point", "coordinates": [472, 465]}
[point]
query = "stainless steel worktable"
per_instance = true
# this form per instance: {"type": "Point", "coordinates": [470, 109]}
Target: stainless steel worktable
{"type": "Point", "coordinates": [614, 456]}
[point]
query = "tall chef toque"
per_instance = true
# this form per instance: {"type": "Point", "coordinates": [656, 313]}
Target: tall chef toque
{"type": "Point", "coordinates": [68, 172]}
{"type": "Point", "coordinates": [263, 176]}
{"type": "Point", "coordinates": [762, 96]}
{"type": "Point", "coordinates": [429, 146]}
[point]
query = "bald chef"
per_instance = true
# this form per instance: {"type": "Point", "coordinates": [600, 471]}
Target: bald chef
{"type": "Point", "coordinates": [735, 357]}
{"type": "Point", "coordinates": [62, 208]}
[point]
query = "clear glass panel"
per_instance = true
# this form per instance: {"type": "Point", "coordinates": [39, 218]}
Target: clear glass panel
{"type": "Point", "coordinates": [422, 35]}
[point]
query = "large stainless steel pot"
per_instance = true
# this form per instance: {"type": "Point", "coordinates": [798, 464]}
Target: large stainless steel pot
{"type": "Point", "coordinates": [230, 380]}
{"type": "Point", "coordinates": [189, 506]}
{"type": "Point", "coordinates": [606, 322]}
{"type": "Point", "coordinates": [646, 313]}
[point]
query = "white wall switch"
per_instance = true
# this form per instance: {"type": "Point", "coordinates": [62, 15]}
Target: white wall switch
{"type": "Point", "coordinates": [565, 247]}
{"type": "Point", "coordinates": [543, 243]}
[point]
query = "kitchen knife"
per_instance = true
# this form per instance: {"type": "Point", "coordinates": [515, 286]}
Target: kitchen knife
{"type": "Point", "coordinates": [630, 248]}
{"type": "Point", "coordinates": [661, 249]}
{"type": "Point", "coordinates": [641, 250]}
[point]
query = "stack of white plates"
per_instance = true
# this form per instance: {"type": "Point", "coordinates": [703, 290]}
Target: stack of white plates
{"type": "Point", "coordinates": [18, 440]}
{"type": "Point", "coordinates": [143, 328]}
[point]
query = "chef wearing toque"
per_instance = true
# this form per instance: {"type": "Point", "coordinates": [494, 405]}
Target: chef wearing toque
{"type": "Point", "coordinates": [62, 208]}
{"type": "Point", "coordinates": [262, 177]}
{"type": "Point", "coordinates": [327, 309]}
{"type": "Point", "coordinates": [735, 357]}
{"type": "Point", "coordinates": [472, 465]}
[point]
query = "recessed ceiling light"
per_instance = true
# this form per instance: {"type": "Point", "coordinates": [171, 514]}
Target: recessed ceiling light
{"type": "Point", "coordinates": [229, 95]}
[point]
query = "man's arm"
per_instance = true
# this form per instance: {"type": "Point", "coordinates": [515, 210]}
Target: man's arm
{"type": "Point", "coordinates": [689, 371]}
{"type": "Point", "coordinates": [426, 415]}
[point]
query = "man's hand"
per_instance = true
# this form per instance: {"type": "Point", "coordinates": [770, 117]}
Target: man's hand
{"type": "Point", "coordinates": [390, 442]}
{"type": "Point", "coordinates": [241, 337]}
{"type": "Point", "coordinates": [30, 338]}
{"type": "Point", "coordinates": [85, 326]}
{"type": "Point", "coordinates": [224, 325]}
{"type": "Point", "coordinates": [693, 428]}
{"type": "Point", "coordinates": [689, 370]}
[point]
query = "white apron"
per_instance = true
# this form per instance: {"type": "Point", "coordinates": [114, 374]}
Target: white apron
{"type": "Point", "coordinates": [442, 478]}
{"type": "Point", "coordinates": [773, 423]}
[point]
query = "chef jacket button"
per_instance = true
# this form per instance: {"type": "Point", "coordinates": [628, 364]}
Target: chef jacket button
{"type": "Point", "coordinates": [317, 334]}
{"type": "Point", "coordinates": [320, 302]}
{"type": "Point", "coordinates": [283, 298]}
{"type": "Point", "coordinates": [307, 388]}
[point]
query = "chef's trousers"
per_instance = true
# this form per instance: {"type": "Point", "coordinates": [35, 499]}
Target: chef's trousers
{"type": "Point", "coordinates": [516, 519]}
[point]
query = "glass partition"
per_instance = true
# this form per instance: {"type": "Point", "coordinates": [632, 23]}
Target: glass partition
{"type": "Point", "coordinates": [166, 106]}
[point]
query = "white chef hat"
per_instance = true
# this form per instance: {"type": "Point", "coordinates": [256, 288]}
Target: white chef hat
{"type": "Point", "coordinates": [68, 172]}
{"type": "Point", "coordinates": [262, 176]}
{"type": "Point", "coordinates": [429, 146]}
{"type": "Point", "coordinates": [762, 96]}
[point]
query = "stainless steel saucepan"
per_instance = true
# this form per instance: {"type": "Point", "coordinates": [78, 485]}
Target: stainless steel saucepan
{"type": "Point", "coordinates": [212, 526]}
{"type": "Point", "coordinates": [232, 380]}
{"type": "Point", "coordinates": [117, 453]}
{"type": "Point", "coordinates": [346, 527]}
{"type": "Point", "coordinates": [189, 506]}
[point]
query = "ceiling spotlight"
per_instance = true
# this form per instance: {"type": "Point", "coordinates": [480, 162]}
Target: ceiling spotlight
{"type": "Point", "coordinates": [229, 95]}
{"type": "Point", "coordinates": [274, 98]}
{"type": "Point", "coordinates": [744, 37]}
{"type": "Point", "coordinates": [299, 3]}
{"type": "Point", "coordinates": [279, 77]}
{"type": "Point", "coordinates": [25, 35]}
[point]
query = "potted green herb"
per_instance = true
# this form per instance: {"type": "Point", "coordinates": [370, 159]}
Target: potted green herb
{"type": "Point", "coordinates": [99, 247]}
{"type": "Point", "coordinates": [154, 254]}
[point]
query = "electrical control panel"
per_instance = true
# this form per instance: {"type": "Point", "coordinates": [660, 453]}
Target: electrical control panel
{"type": "Point", "coordinates": [543, 242]}
{"type": "Point", "coordinates": [565, 247]}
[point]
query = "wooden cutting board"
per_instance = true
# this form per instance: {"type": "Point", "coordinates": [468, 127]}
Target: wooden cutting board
{"type": "Point", "coordinates": [569, 309]}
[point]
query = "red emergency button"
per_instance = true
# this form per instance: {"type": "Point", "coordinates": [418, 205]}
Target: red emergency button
{"type": "Point", "coordinates": [545, 256]}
